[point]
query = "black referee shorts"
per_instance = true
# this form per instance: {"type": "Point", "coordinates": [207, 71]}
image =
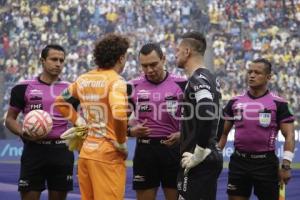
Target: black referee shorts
{"type": "Point", "coordinates": [201, 181]}
{"type": "Point", "coordinates": [253, 170]}
{"type": "Point", "coordinates": [154, 163]}
{"type": "Point", "coordinates": [46, 162]}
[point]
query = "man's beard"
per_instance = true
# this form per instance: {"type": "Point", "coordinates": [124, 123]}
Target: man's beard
{"type": "Point", "coordinates": [180, 65]}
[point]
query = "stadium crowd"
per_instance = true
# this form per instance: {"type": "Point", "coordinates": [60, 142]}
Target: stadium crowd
{"type": "Point", "coordinates": [244, 30]}
{"type": "Point", "coordinates": [238, 31]}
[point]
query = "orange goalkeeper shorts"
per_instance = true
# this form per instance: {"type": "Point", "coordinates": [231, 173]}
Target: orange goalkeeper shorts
{"type": "Point", "coordinates": [99, 180]}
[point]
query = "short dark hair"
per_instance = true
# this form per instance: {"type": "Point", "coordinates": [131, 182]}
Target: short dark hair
{"type": "Point", "coordinates": [196, 40]}
{"type": "Point", "coordinates": [109, 49]}
{"type": "Point", "coordinates": [267, 64]}
{"type": "Point", "coordinates": [149, 47]}
{"type": "Point", "coordinates": [46, 50]}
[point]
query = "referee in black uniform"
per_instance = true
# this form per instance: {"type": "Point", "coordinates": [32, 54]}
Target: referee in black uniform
{"type": "Point", "coordinates": [201, 161]}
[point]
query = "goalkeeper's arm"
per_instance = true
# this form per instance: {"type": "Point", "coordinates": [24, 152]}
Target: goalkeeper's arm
{"type": "Point", "coordinates": [119, 107]}
{"type": "Point", "coordinates": [66, 104]}
{"type": "Point", "coordinates": [201, 150]}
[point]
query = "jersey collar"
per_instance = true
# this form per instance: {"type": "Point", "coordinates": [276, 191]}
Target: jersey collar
{"type": "Point", "coordinates": [157, 83]}
{"type": "Point", "coordinates": [253, 97]}
{"type": "Point", "coordinates": [43, 82]}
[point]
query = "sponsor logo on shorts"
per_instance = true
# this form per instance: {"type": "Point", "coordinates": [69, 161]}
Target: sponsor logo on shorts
{"type": "Point", "coordinates": [185, 180]}
{"type": "Point", "coordinates": [144, 141]}
{"type": "Point", "coordinates": [231, 187]}
{"type": "Point", "coordinates": [139, 178]}
{"type": "Point", "coordinates": [258, 156]}
{"type": "Point", "coordinates": [69, 177]}
{"type": "Point", "coordinates": [23, 183]}
{"type": "Point", "coordinates": [179, 185]}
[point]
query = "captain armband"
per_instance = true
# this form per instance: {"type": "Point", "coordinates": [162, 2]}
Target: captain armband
{"type": "Point", "coordinates": [288, 155]}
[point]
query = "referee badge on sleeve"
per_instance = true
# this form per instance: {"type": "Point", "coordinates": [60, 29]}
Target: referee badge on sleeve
{"type": "Point", "coordinates": [264, 119]}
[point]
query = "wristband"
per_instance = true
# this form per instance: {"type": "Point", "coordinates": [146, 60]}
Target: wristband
{"type": "Point", "coordinates": [288, 155]}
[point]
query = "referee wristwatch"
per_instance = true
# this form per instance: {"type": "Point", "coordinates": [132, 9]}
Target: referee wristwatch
{"type": "Point", "coordinates": [286, 167]}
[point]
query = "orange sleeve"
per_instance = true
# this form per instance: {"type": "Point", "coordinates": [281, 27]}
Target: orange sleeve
{"type": "Point", "coordinates": [63, 103]}
{"type": "Point", "coordinates": [119, 107]}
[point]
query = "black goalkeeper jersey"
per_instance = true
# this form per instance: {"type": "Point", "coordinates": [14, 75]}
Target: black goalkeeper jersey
{"type": "Point", "coordinates": [201, 111]}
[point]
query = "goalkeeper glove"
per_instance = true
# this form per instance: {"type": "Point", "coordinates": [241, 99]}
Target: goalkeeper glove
{"type": "Point", "coordinates": [190, 160]}
{"type": "Point", "coordinates": [80, 121]}
{"type": "Point", "coordinates": [75, 136]}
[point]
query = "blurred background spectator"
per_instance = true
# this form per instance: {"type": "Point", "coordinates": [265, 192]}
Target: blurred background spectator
{"type": "Point", "coordinates": [243, 30]}
{"type": "Point", "coordinates": [237, 31]}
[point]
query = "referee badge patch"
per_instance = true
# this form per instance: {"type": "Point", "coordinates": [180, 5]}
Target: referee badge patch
{"type": "Point", "coordinates": [172, 106]}
{"type": "Point", "coordinates": [264, 119]}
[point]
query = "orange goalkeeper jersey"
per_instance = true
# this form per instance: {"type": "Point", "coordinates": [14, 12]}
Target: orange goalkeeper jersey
{"type": "Point", "coordinates": [103, 99]}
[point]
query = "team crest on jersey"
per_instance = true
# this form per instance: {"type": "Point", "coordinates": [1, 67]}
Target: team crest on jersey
{"type": "Point", "coordinates": [172, 106]}
{"type": "Point", "coordinates": [265, 119]}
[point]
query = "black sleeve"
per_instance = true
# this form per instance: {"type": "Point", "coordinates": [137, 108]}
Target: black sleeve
{"type": "Point", "coordinates": [204, 109]}
{"type": "Point", "coordinates": [17, 97]}
{"type": "Point", "coordinates": [75, 102]}
{"type": "Point", "coordinates": [130, 89]}
{"type": "Point", "coordinates": [181, 84]}
{"type": "Point", "coordinates": [220, 127]}
{"type": "Point", "coordinates": [228, 111]}
{"type": "Point", "coordinates": [70, 99]}
{"type": "Point", "coordinates": [284, 113]}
